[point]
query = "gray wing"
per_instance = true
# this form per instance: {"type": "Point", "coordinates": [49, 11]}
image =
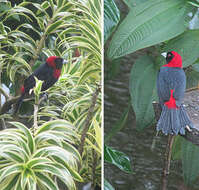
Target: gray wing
{"type": "Point", "coordinates": [171, 78]}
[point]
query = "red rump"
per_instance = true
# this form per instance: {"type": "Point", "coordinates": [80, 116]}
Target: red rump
{"type": "Point", "coordinates": [171, 104]}
{"type": "Point", "coordinates": [176, 61]}
{"type": "Point", "coordinates": [51, 60]}
{"type": "Point", "coordinates": [57, 73]}
{"type": "Point", "coordinates": [22, 89]}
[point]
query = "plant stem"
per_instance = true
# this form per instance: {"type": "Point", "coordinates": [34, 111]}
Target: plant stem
{"type": "Point", "coordinates": [88, 119]}
{"type": "Point", "coordinates": [93, 170]}
{"type": "Point", "coordinates": [167, 162]}
{"type": "Point", "coordinates": [36, 109]}
{"type": "Point", "coordinates": [35, 124]}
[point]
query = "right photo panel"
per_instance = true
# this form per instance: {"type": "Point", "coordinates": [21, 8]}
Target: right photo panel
{"type": "Point", "coordinates": [151, 94]}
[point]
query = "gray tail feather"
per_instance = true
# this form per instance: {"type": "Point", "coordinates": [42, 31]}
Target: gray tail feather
{"type": "Point", "coordinates": [173, 121]}
{"type": "Point", "coordinates": [18, 104]}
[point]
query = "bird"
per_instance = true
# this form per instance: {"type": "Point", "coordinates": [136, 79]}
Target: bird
{"type": "Point", "coordinates": [171, 85]}
{"type": "Point", "coordinates": [49, 73]}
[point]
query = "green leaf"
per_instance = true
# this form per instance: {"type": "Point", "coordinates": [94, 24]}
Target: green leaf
{"type": "Point", "coordinates": [145, 26]}
{"type": "Point", "coordinates": [111, 18]}
{"type": "Point", "coordinates": [192, 78]}
{"type": "Point", "coordinates": [182, 44]}
{"type": "Point", "coordinates": [143, 90]}
{"type": "Point", "coordinates": [196, 4]}
{"type": "Point", "coordinates": [118, 125]}
{"type": "Point", "coordinates": [176, 148]}
{"type": "Point", "coordinates": [117, 158]}
{"type": "Point", "coordinates": [11, 183]}
{"type": "Point", "coordinates": [46, 181]}
{"type": "Point", "coordinates": [26, 131]}
{"type": "Point", "coordinates": [53, 27]}
{"type": "Point", "coordinates": [190, 165]}
{"type": "Point", "coordinates": [37, 89]}
{"type": "Point", "coordinates": [133, 3]}
{"type": "Point", "coordinates": [107, 185]}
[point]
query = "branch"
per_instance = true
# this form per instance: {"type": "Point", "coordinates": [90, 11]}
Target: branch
{"type": "Point", "coordinates": [167, 162]}
{"type": "Point", "coordinates": [36, 109]}
{"type": "Point", "coordinates": [4, 93]}
{"type": "Point", "coordinates": [7, 105]}
{"type": "Point", "coordinates": [88, 119]}
{"type": "Point", "coordinates": [94, 165]}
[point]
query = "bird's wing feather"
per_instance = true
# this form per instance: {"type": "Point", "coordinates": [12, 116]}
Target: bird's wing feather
{"type": "Point", "coordinates": [171, 78]}
{"type": "Point", "coordinates": [44, 73]}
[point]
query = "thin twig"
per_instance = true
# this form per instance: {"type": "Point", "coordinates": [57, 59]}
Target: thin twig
{"type": "Point", "coordinates": [94, 165]}
{"type": "Point", "coordinates": [36, 109]}
{"type": "Point", "coordinates": [167, 162]}
{"type": "Point", "coordinates": [88, 119]}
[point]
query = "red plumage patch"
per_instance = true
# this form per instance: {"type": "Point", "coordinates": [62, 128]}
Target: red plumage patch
{"type": "Point", "coordinates": [50, 61]}
{"type": "Point", "coordinates": [22, 89]}
{"type": "Point", "coordinates": [57, 73]}
{"type": "Point", "coordinates": [171, 104]}
{"type": "Point", "coordinates": [176, 61]}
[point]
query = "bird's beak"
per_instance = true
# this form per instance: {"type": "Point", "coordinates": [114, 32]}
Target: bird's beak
{"type": "Point", "coordinates": [164, 54]}
{"type": "Point", "coordinates": [64, 62]}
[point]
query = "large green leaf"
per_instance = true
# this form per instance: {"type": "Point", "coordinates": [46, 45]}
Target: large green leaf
{"type": "Point", "coordinates": [107, 185]}
{"type": "Point", "coordinates": [148, 24]}
{"type": "Point", "coordinates": [111, 18]}
{"type": "Point", "coordinates": [176, 148]}
{"type": "Point", "coordinates": [187, 41]}
{"type": "Point", "coordinates": [190, 164]}
{"type": "Point", "coordinates": [133, 3]}
{"type": "Point", "coordinates": [117, 158]}
{"type": "Point", "coordinates": [143, 90]}
{"type": "Point", "coordinates": [192, 78]}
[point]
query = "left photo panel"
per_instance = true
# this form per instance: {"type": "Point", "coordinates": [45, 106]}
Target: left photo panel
{"type": "Point", "coordinates": [50, 95]}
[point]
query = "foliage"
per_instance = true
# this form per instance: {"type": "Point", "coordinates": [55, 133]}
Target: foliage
{"type": "Point", "coordinates": [28, 159]}
{"type": "Point", "coordinates": [32, 31]}
{"type": "Point", "coordinates": [117, 158]}
{"type": "Point", "coordinates": [162, 26]}
{"type": "Point", "coordinates": [111, 17]}
{"type": "Point", "coordinates": [113, 156]}
{"type": "Point", "coordinates": [144, 86]}
{"type": "Point", "coordinates": [107, 185]}
{"type": "Point", "coordinates": [188, 153]}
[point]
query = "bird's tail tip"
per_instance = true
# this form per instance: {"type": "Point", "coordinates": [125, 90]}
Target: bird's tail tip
{"type": "Point", "coordinates": [173, 121]}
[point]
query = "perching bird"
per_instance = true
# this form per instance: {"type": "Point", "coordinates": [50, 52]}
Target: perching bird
{"type": "Point", "coordinates": [171, 84]}
{"type": "Point", "coordinates": [48, 72]}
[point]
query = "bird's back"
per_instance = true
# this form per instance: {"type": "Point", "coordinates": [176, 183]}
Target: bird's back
{"type": "Point", "coordinates": [171, 78]}
{"type": "Point", "coordinates": [44, 73]}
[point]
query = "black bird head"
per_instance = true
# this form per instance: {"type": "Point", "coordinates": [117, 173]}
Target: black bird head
{"type": "Point", "coordinates": [169, 57]}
